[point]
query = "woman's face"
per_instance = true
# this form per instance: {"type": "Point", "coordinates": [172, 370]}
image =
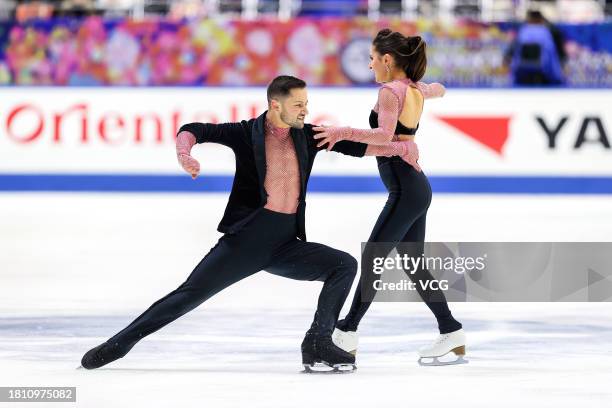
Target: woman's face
{"type": "Point", "coordinates": [378, 64]}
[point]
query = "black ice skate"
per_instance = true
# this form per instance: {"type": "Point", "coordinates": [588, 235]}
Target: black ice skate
{"type": "Point", "coordinates": [321, 355]}
{"type": "Point", "coordinates": [102, 355]}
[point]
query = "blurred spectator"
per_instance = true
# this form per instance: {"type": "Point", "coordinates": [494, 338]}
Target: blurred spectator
{"type": "Point", "coordinates": [537, 53]}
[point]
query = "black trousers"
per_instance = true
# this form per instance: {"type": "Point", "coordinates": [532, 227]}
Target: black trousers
{"type": "Point", "coordinates": [402, 220]}
{"type": "Point", "coordinates": [267, 242]}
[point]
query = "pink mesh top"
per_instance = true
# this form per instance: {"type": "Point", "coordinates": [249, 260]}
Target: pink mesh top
{"type": "Point", "coordinates": [282, 182]}
{"type": "Point", "coordinates": [392, 94]}
{"type": "Point", "coordinates": [390, 103]}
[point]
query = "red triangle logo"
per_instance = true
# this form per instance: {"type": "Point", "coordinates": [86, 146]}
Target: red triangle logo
{"type": "Point", "coordinates": [491, 131]}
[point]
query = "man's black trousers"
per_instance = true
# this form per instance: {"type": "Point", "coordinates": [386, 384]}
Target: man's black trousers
{"type": "Point", "coordinates": [268, 242]}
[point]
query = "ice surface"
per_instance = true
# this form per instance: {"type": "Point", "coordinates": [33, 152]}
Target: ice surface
{"type": "Point", "coordinates": [76, 268]}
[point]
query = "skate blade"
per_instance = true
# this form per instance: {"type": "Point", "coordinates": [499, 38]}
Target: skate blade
{"type": "Point", "coordinates": [436, 362]}
{"type": "Point", "coordinates": [325, 368]}
{"type": "Point", "coordinates": [80, 367]}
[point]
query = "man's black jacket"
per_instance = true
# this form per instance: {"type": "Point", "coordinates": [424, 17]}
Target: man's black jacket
{"type": "Point", "coordinates": [246, 139]}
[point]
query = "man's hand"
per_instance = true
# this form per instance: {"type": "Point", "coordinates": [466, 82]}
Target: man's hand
{"type": "Point", "coordinates": [189, 164]}
{"type": "Point", "coordinates": [184, 142]}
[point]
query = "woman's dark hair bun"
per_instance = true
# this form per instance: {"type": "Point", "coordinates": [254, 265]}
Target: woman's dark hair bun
{"type": "Point", "coordinates": [385, 32]}
{"type": "Point", "coordinates": [408, 52]}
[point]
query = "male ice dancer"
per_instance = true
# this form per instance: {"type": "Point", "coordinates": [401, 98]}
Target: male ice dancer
{"type": "Point", "coordinates": [263, 224]}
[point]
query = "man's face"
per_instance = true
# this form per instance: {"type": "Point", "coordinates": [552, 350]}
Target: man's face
{"type": "Point", "coordinates": [293, 109]}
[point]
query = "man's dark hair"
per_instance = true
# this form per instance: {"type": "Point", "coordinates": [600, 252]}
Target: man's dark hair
{"type": "Point", "coordinates": [281, 86]}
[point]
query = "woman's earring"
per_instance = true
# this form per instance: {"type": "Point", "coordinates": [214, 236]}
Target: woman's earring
{"type": "Point", "coordinates": [388, 72]}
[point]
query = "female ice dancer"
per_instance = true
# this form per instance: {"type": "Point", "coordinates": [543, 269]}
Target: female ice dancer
{"type": "Point", "coordinates": [398, 63]}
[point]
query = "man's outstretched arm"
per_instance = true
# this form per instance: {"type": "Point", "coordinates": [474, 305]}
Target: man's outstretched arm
{"type": "Point", "coordinates": [190, 134]}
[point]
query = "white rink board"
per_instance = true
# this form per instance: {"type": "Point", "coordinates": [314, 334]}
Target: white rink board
{"type": "Point", "coordinates": [131, 130]}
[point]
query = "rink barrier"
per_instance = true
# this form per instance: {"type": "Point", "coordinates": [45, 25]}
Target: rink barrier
{"type": "Point", "coordinates": [124, 183]}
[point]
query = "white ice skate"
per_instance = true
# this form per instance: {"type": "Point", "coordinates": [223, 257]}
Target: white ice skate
{"type": "Point", "coordinates": [444, 344]}
{"type": "Point", "coordinates": [346, 340]}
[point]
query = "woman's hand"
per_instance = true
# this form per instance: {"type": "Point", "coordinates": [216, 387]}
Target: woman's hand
{"type": "Point", "coordinates": [412, 154]}
{"type": "Point", "coordinates": [331, 135]}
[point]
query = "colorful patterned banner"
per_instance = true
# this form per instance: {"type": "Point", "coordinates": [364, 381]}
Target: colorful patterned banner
{"type": "Point", "coordinates": [328, 51]}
